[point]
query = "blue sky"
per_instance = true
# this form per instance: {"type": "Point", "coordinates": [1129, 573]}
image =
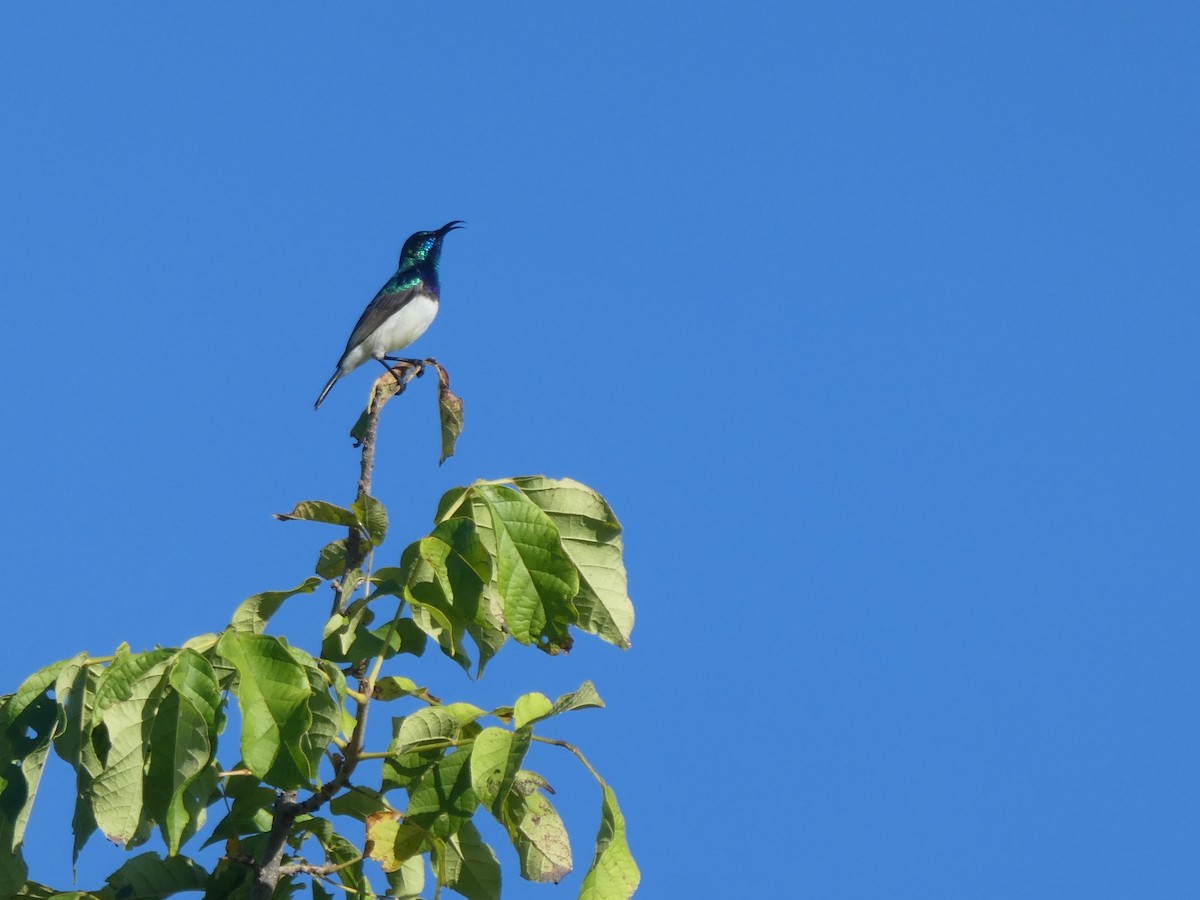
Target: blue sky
{"type": "Point", "coordinates": [876, 324]}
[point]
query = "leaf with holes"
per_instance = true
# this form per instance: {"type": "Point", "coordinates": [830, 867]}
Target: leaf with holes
{"type": "Point", "coordinates": [536, 830]}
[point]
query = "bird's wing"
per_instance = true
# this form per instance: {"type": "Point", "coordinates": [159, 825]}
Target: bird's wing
{"type": "Point", "coordinates": [386, 303]}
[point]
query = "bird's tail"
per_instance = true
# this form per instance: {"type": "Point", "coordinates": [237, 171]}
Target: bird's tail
{"type": "Point", "coordinates": [329, 384]}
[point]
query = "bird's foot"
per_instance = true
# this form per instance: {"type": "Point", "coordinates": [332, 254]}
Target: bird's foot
{"type": "Point", "coordinates": [403, 369]}
{"type": "Point", "coordinates": [416, 366]}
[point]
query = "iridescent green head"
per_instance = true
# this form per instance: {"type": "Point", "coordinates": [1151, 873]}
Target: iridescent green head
{"type": "Point", "coordinates": [426, 246]}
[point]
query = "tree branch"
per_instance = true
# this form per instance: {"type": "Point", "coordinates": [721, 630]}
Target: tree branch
{"type": "Point", "coordinates": [287, 807]}
{"type": "Point", "coordinates": [266, 873]}
{"type": "Point", "coordinates": [390, 384]}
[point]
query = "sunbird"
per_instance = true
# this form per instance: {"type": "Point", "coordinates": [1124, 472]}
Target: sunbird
{"type": "Point", "coordinates": [401, 311]}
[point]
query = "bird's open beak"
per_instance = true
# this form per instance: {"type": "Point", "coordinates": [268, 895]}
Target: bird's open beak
{"type": "Point", "coordinates": [451, 226]}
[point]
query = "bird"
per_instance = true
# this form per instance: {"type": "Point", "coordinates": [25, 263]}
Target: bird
{"type": "Point", "coordinates": [401, 311]}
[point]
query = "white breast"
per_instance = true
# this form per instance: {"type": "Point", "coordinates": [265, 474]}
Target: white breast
{"type": "Point", "coordinates": [397, 332]}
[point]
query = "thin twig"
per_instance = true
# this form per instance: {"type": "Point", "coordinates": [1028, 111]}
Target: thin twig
{"type": "Point", "coordinates": [309, 869]}
{"type": "Point", "coordinates": [566, 746]}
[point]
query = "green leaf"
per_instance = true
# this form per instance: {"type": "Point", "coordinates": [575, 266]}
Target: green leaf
{"type": "Point", "coordinates": [613, 874]}
{"type": "Point", "coordinates": [443, 799]}
{"type": "Point", "coordinates": [496, 758]}
{"type": "Point", "coordinates": [331, 563]}
{"type": "Point", "coordinates": [489, 637]}
{"type": "Point", "coordinates": [201, 643]}
{"type": "Point", "coordinates": [13, 870]}
{"type": "Point", "coordinates": [408, 881]}
{"type": "Point", "coordinates": [475, 869]}
{"type": "Point", "coordinates": [406, 637]}
{"type": "Point", "coordinates": [344, 631]}
{"type": "Point", "coordinates": [344, 853]}
{"type": "Point", "coordinates": [76, 693]}
{"type": "Point", "coordinates": [430, 724]}
{"type": "Point", "coordinates": [585, 697]}
{"type": "Point", "coordinates": [324, 711]}
{"type": "Point", "coordinates": [28, 720]}
{"type": "Point", "coordinates": [349, 637]}
{"type": "Point", "coordinates": [74, 688]}
{"type": "Point", "coordinates": [530, 707]}
{"type": "Point", "coordinates": [388, 580]}
{"type": "Point", "coordinates": [359, 803]}
{"type": "Point", "coordinates": [372, 517]}
{"type": "Point", "coordinates": [334, 678]}
{"type": "Point", "coordinates": [455, 502]}
{"type": "Point", "coordinates": [535, 707]}
{"type": "Point", "coordinates": [450, 413]}
{"type": "Point", "coordinates": [536, 830]}
{"type": "Point", "coordinates": [433, 609]}
{"type": "Point", "coordinates": [320, 511]}
{"type": "Point", "coordinates": [348, 586]}
{"type": "Point", "coordinates": [31, 890]}
{"type": "Point", "coordinates": [432, 615]}
{"type": "Point", "coordinates": [462, 566]}
{"type": "Point", "coordinates": [591, 537]}
{"type": "Point", "coordinates": [393, 687]}
{"type": "Point", "coordinates": [199, 794]}
{"type": "Point", "coordinates": [391, 842]}
{"type": "Point", "coordinates": [534, 577]}
{"type": "Point", "coordinates": [183, 738]}
{"type": "Point", "coordinates": [117, 680]}
{"type": "Point", "coordinates": [406, 769]}
{"type": "Point", "coordinates": [252, 615]}
{"type": "Point", "coordinates": [128, 696]}
{"type": "Point", "coordinates": [195, 680]}
{"type": "Point", "coordinates": [410, 756]}
{"type": "Point", "coordinates": [250, 812]}
{"type": "Point", "coordinates": [488, 628]}
{"type": "Point", "coordinates": [230, 880]}
{"type": "Point", "coordinates": [460, 562]}
{"type": "Point", "coordinates": [149, 876]}
{"type": "Point", "coordinates": [273, 695]}
{"type": "Point", "coordinates": [464, 713]}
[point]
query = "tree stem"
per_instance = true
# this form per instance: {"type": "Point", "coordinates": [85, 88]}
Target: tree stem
{"type": "Point", "coordinates": [287, 807]}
